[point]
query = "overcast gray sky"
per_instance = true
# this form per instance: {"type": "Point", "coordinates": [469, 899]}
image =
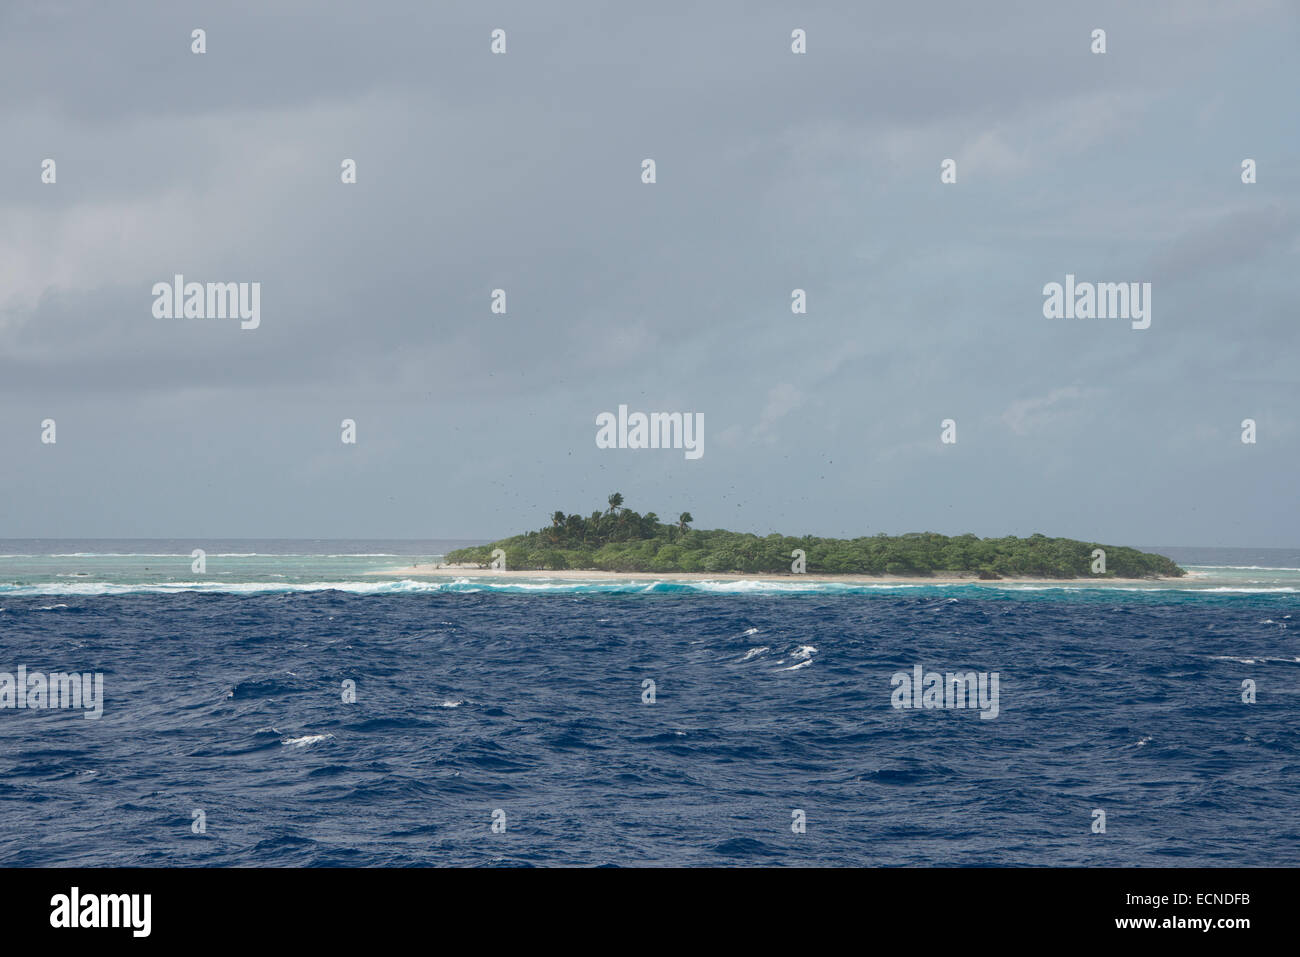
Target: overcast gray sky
{"type": "Point", "coordinates": [775, 171]}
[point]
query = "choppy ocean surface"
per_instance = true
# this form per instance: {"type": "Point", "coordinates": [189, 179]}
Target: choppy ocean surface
{"type": "Point", "coordinates": [224, 695]}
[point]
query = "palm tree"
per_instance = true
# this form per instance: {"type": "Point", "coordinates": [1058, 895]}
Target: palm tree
{"type": "Point", "coordinates": [557, 527]}
{"type": "Point", "coordinates": [684, 519]}
{"type": "Point", "coordinates": [615, 502]}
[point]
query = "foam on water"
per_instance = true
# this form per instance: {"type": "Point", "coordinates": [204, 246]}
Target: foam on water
{"type": "Point", "coordinates": [802, 656]}
{"type": "Point", "coordinates": [610, 586]}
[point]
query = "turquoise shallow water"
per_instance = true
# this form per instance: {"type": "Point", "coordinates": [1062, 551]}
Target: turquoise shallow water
{"type": "Point", "coordinates": [110, 566]}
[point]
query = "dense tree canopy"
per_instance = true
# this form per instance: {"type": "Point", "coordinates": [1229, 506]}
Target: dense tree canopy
{"type": "Point", "coordinates": [618, 539]}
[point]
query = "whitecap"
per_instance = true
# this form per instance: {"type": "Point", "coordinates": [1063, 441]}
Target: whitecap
{"type": "Point", "coordinates": [802, 656]}
{"type": "Point", "coordinates": [305, 740]}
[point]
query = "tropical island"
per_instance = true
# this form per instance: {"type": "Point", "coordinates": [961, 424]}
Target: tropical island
{"type": "Point", "coordinates": [617, 539]}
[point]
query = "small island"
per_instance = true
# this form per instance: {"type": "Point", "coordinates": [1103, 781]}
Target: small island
{"type": "Point", "coordinates": [617, 539]}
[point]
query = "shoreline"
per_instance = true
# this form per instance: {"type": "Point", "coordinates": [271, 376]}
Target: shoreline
{"type": "Point", "coordinates": [478, 571]}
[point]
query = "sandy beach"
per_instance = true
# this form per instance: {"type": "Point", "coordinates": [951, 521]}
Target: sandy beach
{"type": "Point", "coordinates": [478, 571]}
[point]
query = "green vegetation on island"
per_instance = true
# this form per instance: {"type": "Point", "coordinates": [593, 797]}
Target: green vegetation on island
{"type": "Point", "coordinates": [618, 539]}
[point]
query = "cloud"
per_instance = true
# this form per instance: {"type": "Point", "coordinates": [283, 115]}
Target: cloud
{"type": "Point", "coordinates": [521, 172]}
{"type": "Point", "coordinates": [781, 401]}
{"type": "Point", "coordinates": [1024, 416]}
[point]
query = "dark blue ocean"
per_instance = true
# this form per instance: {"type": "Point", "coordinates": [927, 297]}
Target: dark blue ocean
{"type": "Point", "coordinates": [475, 702]}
